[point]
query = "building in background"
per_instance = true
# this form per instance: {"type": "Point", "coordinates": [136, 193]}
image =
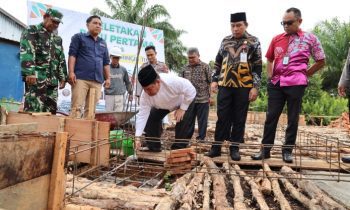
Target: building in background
{"type": "Point", "coordinates": [11, 85]}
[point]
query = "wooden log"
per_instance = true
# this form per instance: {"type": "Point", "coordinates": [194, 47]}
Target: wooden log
{"type": "Point", "coordinates": [238, 200]}
{"type": "Point", "coordinates": [3, 115]}
{"type": "Point", "coordinates": [219, 186]}
{"type": "Point", "coordinates": [310, 204]}
{"type": "Point", "coordinates": [311, 189]}
{"type": "Point", "coordinates": [206, 190]}
{"type": "Point", "coordinates": [78, 207]}
{"type": "Point", "coordinates": [189, 197]}
{"type": "Point", "coordinates": [263, 182]}
{"type": "Point", "coordinates": [284, 204]}
{"type": "Point", "coordinates": [19, 128]}
{"type": "Point", "coordinates": [57, 181]}
{"type": "Point", "coordinates": [177, 191]}
{"type": "Point", "coordinates": [257, 195]}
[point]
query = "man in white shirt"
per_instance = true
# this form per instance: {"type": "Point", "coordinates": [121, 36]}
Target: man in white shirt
{"type": "Point", "coordinates": [162, 94]}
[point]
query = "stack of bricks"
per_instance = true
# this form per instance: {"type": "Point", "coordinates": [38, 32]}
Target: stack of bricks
{"type": "Point", "coordinates": [180, 161]}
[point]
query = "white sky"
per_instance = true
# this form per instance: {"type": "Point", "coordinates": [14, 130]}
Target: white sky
{"type": "Point", "coordinates": [207, 21]}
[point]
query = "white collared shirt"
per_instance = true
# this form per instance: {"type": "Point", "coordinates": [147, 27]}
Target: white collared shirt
{"type": "Point", "coordinates": [174, 93]}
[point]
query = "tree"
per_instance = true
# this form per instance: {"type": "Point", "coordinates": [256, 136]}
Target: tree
{"type": "Point", "coordinates": [156, 17]}
{"type": "Point", "coordinates": [335, 37]}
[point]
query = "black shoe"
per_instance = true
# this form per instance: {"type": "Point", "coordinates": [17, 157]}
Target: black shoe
{"type": "Point", "coordinates": [346, 159]}
{"type": "Point", "coordinates": [213, 153]}
{"type": "Point", "coordinates": [235, 155]}
{"type": "Point", "coordinates": [287, 157]}
{"type": "Point", "coordinates": [261, 155]}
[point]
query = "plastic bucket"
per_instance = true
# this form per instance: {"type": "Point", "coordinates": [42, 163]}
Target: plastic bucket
{"type": "Point", "coordinates": [128, 147]}
{"type": "Point", "coordinates": [116, 138]}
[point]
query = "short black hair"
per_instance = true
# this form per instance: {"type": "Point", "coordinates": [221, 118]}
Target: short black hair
{"type": "Point", "coordinates": [296, 11]}
{"type": "Point", "coordinates": [92, 17]}
{"type": "Point", "coordinates": [150, 47]}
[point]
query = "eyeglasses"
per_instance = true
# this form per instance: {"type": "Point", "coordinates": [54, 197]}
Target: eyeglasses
{"type": "Point", "coordinates": [288, 23]}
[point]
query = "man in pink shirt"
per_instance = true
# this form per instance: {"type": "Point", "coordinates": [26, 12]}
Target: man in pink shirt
{"type": "Point", "coordinates": [288, 71]}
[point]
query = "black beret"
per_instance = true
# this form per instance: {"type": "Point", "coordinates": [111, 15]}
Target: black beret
{"type": "Point", "coordinates": [239, 16]}
{"type": "Point", "coordinates": [147, 75]}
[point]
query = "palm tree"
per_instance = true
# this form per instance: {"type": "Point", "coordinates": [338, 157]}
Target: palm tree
{"type": "Point", "coordinates": [156, 17]}
{"type": "Point", "coordinates": [335, 37]}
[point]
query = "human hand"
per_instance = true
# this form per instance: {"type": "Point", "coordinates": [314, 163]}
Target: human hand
{"type": "Point", "coordinates": [179, 115]}
{"type": "Point", "coordinates": [214, 87]}
{"type": "Point", "coordinates": [341, 91]}
{"type": "Point", "coordinates": [253, 94]}
{"type": "Point", "coordinates": [72, 79]}
{"type": "Point", "coordinates": [137, 142]}
{"type": "Point", "coordinates": [31, 80]}
{"type": "Point", "coordinates": [62, 84]}
{"type": "Point", "coordinates": [107, 83]}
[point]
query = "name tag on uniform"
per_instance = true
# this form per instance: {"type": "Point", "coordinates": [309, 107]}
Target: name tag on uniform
{"type": "Point", "coordinates": [244, 57]}
{"type": "Point", "coordinates": [285, 60]}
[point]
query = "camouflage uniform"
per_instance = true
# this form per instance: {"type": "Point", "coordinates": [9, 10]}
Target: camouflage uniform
{"type": "Point", "coordinates": [42, 55]}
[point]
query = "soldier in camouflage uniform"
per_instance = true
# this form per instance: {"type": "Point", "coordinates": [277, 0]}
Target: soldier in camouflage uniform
{"type": "Point", "coordinates": [43, 64]}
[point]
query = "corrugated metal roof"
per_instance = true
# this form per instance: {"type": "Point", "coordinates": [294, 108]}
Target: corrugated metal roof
{"type": "Point", "coordinates": [10, 27]}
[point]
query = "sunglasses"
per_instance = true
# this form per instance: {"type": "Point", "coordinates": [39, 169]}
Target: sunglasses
{"type": "Point", "coordinates": [288, 23]}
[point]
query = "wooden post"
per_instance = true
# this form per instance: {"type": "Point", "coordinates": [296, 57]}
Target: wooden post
{"type": "Point", "coordinates": [95, 150]}
{"type": "Point", "coordinates": [92, 107]}
{"type": "Point", "coordinates": [57, 181]}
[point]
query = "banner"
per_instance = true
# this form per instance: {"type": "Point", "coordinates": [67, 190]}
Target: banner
{"type": "Point", "coordinates": [114, 32]}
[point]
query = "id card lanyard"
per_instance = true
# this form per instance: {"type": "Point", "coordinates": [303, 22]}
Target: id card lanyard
{"type": "Point", "coordinates": [244, 53]}
{"type": "Point", "coordinates": [286, 57]}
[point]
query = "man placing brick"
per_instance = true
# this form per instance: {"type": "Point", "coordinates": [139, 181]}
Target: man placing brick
{"type": "Point", "coordinates": [164, 93]}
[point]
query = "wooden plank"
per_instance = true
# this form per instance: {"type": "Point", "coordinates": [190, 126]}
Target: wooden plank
{"type": "Point", "coordinates": [103, 137]}
{"type": "Point", "coordinates": [57, 182]}
{"type": "Point", "coordinates": [41, 113]}
{"type": "Point", "coordinates": [24, 157]}
{"type": "Point", "coordinates": [45, 123]}
{"type": "Point", "coordinates": [306, 163]}
{"type": "Point", "coordinates": [19, 128]}
{"type": "Point", "coordinates": [28, 195]}
{"type": "Point", "coordinates": [80, 136]}
{"type": "Point", "coordinates": [94, 159]}
{"type": "Point", "coordinates": [91, 111]}
{"type": "Point", "coordinates": [179, 159]}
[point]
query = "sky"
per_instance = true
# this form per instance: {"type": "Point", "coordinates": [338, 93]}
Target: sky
{"type": "Point", "coordinates": [207, 22]}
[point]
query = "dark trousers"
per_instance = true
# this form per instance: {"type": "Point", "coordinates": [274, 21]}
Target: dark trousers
{"type": "Point", "coordinates": [154, 129]}
{"type": "Point", "coordinates": [277, 97]}
{"type": "Point", "coordinates": [232, 108]}
{"type": "Point", "coordinates": [201, 112]}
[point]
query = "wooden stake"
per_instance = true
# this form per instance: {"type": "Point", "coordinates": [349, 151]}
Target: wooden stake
{"type": "Point", "coordinates": [57, 182]}
{"type": "Point", "coordinates": [311, 189]}
{"type": "Point", "coordinates": [206, 191]}
{"type": "Point", "coordinates": [191, 190]}
{"type": "Point", "coordinates": [219, 186]}
{"type": "Point", "coordinates": [284, 204]}
{"type": "Point", "coordinates": [255, 189]}
{"type": "Point", "coordinates": [238, 200]}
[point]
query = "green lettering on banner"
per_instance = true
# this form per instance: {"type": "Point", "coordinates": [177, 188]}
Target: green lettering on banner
{"type": "Point", "coordinates": [111, 27]}
{"type": "Point", "coordinates": [112, 38]}
{"type": "Point", "coordinates": [123, 30]}
{"type": "Point", "coordinates": [82, 30]}
{"type": "Point", "coordinates": [119, 40]}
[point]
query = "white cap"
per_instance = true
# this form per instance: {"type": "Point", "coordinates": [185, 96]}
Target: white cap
{"type": "Point", "coordinates": [115, 51]}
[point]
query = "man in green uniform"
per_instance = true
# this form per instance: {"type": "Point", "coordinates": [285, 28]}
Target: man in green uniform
{"type": "Point", "coordinates": [43, 65]}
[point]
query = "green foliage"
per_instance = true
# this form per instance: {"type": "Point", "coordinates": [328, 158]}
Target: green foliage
{"type": "Point", "coordinates": [335, 37]}
{"type": "Point", "coordinates": [166, 179]}
{"type": "Point", "coordinates": [154, 16]}
{"type": "Point", "coordinates": [325, 107]}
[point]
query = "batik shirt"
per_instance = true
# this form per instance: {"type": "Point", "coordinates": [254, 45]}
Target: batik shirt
{"type": "Point", "coordinates": [200, 77]}
{"type": "Point", "coordinates": [297, 48]}
{"type": "Point", "coordinates": [230, 70]}
{"type": "Point", "coordinates": [41, 54]}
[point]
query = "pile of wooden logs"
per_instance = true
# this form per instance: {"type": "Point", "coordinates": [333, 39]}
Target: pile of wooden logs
{"type": "Point", "coordinates": [180, 161]}
{"type": "Point", "coordinates": [342, 122]}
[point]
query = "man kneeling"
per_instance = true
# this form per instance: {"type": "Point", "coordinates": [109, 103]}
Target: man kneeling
{"type": "Point", "coordinates": [164, 93]}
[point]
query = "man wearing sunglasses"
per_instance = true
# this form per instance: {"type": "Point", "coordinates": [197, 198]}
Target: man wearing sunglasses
{"type": "Point", "coordinates": [288, 71]}
{"type": "Point", "coordinates": [43, 65]}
